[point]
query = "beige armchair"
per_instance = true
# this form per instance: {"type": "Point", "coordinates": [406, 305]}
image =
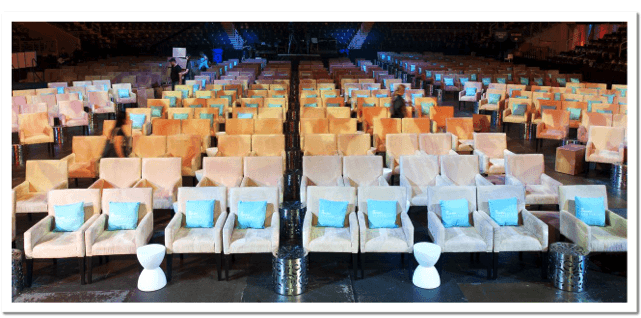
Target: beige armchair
{"type": "Point", "coordinates": [530, 235]}
{"type": "Point", "coordinates": [510, 117]}
{"type": "Point", "coordinates": [398, 145]}
{"type": "Point", "coordinates": [221, 172]}
{"type": "Point", "coordinates": [100, 103]}
{"type": "Point", "coordinates": [416, 174]}
{"type": "Point", "coordinates": [131, 98]}
{"type": "Point", "coordinates": [325, 171]}
{"type": "Point", "coordinates": [491, 149]}
{"type": "Point", "coordinates": [42, 242]}
{"type": "Point", "coordinates": [477, 238]}
{"type": "Point", "coordinates": [384, 240]}
{"type": "Point", "coordinates": [118, 173]}
{"type": "Point", "coordinates": [100, 242]}
{"type": "Point", "coordinates": [355, 145]}
{"type": "Point", "coordinates": [461, 170]}
{"type": "Point", "coordinates": [163, 176]}
{"type": "Point", "coordinates": [436, 144]}
{"type": "Point", "coordinates": [182, 240]}
{"type": "Point", "coordinates": [528, 170]}
{"type": "Point", "coordinates": [462, 130]}
{"type": "Point", "coordinates": [41, 176]}
{"type": "Point", "coordinates": [591, 119]}
{"type": "Point", "coordinates": [146, 128]}
{"type": "Point", "coordinates": [84, 161]}
{"type": "Point", "coordinates": [359, 171]}
{"type": "Point", "coordinates": [329, 239]}
{"type": "Point", "coordinates": [186, 147]}
{"type": "Point", "coordinates": [555, 125]}
{"type": "Point", "coordinates": [242, 241]}
{"type": "Point", "coordinates": [34, 128]}
{"type": "Point", "coordinates": [613, 237]}
{"type": "Point", "coordinates": [605, 145]}
{"type": "Point", "coordinates": [320, 145]}
{"type": "Point", "coordinates": [231, 146]}
{"type": "Point", "coordinates": [72, 115]}
{"type": "Point", "coordinates": [263, 172]}
{"type": "Point", "coordinates": [153, 146]}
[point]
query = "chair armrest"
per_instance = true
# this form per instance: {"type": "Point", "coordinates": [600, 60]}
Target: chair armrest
{"type": "Point", "coordinates": [436, 229]}
{"type": "Point", "coordinates": [452, 152]}
{"type": "Point", "coordinates": [275, 231]}
{"type": "Point", "coordinates": [63, 119]}
{"type": "Point", "coordinates": [507, 112]}
{"type": "Point", "coordinates": [22, 188]}
{"type": "Point", "coordinates": [485, 229]}
{"type": "Point", "coordinates": [454, 142]}
{"type": "Point", "coordinates": [339, 182]}
{"type": "Point", "coordinates": [618, 223]}
{"type": "Point", "coordinates": [403, 182]}
{"type": "Point", "coordinates": [550, 183]}
{"type": "Point", "coordinates": [483, 102]}
{"type": "Point", "coordinates": [346, 182]}
{"type": "Point", "coordinates": [442, 180]}
{"type": "Point", "coordinates": [408, 230]}
{"type": "Point", "coordinates": [132, 184]}
{"type": "Point", "coordinates": [461, 94]}
{"type": "Point", "coordinates": [482, 181]}
{"type": "Point", "coordinates": [94, 230]}
{"type": "Point", "coordinates": [61, 185]}
{"type": "Point", "coordinates": [307, 230]}
{"type": "Point", "coordinates": [228, 229]}
{"type": "Point", "coordinates": [303, 190]}
{"type": "Point", "coordinates": [171, 230]}
{"type": "Point", "coordinates": [536, 227]}
{"type": "Point", "coordinates": [71, 159]}
{"type": "Point", "coordinates": [362, 228]}
{"type": "Point", "coordinates": [511, 180]}
{"type": "Point", "coordinates": [382, 182]}
{"type": "Point", "coordinates": [539, 129]}
{"type": "Point", "coordinates": [484, 161]}
{"type": "Point", "coordinates": [496, 229]}
{"type": "Point", "coordinates": [218, 229]}
{"type": "Point", "coordinates": [212, 152]}
{"type": "Point", "coordinates": [574, 229]}
{"type": "Point", "coordinates": [507, 153]}
{"type": "Point", "coordinates": [35, 233]}
{"type": "Point", "coordinates": [371, 151]}
{"type": "Point", "coordinates": [354, 231]}
{"type": "Point", "coordinates": [589, 149]}
{"type": "Point", "coordinates": [144, 230]}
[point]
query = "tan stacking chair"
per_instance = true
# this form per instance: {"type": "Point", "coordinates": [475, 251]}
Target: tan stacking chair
{"type": "Point", "coordinates": [84, 160]}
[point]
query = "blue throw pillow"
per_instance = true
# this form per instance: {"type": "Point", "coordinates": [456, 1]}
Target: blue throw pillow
{"type": "Point", "coordinates": [603, 111]}
{"type": "Point", "coordinates": [196, 87]}
{"type": "Point", "coordinates": [332, 213]}
{"type": "Point", "coordinates": [426, 108]}
{"type": "Point", "coordinates": [509, 76]}
{"type": "Point", "coordinates": [525, 81]}
{"type": "Point", "coordinates": [463, 80]}
{"type": "Point", "coordinates": [538, 81]}
{"type": "Point", "coordinates": [574, 80]}
{"type": "Point", "coordinates": [521, 97]}
{"type": "Point", "coordinates": [504, 211]}
{"type": "Point", "coordinates": [199, 213]}
{"type": "Point", "coordinates": [251, 214]}
{"type": "Point", "coordinates": [181, 116]}
{"type": "Point", "coordinates": [557, 96]}
{"type": "Point", "coordinates": [381, 95]}
{"type": "Point", "coordinates": [310, 105]}
{"type": "Point", "coordinates": [623, 91]}
{"type": "Point", "coordinates": [519, 109]}
{"type": "Point", "coordinates": [137, 120]}
{"type": "Point", "coordinates": [256, 96]}
{"type": "Point", "coordinates": [561, 81]}
{"type": "Point", "coordinates": [311, 96]}
{"type": "Point", "coordinates": [185, 93]}
{"type": "Point", "coordinates": [494, 99]}
{"type": "Point", "coordinates": [571, 100]}
{"type": "Point", "coordinates": [122, 93]}
{"type": "Point", "coordinates": [486, 81]}
{"type": "Point", "coordinates": [172, 100]}
{"type": "Point", "coordinates": [245, 115]}
{"type": "Point", "coordinates": [381, 214]}
{"type": "Point", "coordinates": [123, 216]}
{"type": "Point", "coordinates": [333, 105]}
{"type": "Point", "coordinates": [61, 90]}
{"type": "Point", "coordinates": [455, 213]}
{"type": "Point", "coordinates": [220, 107]}
{"type": "Point", "coordinates": [470, 91]}
{"type": "Point", "coordinates": [207, 116]}
{"type": "Point", "coordinates": [156, 111]}
{"type": "Point", "coordinates": [437, 77]}
{"type": "Point", "coordinates": [278, 89]}
{"type": "Point", "coordinates": [575, 113]}
{"type": "Point", "coordinates": [610, 97]}
{"type": "Point", "coordinates": [254, 105]}
{"type": "Point", "coordinates": [273, 105]}
{"type": "Point", "coordinates": [69, 217]}
{"type": "Point", "coordinates": [331, 96]}
{"type": "Point", "coordinates": [500, 80]}
{"type": "Point", "coordinates": [228, 97]}
{"type": "Point", "coordinates": [325, 88]}
{"type": "Point", "coordinates": [308, 89]}
{"type": "Point", "coordinates": [544, 98]}
{"type": "Point", "coordinates": [590, 102]}
{"type": "Point", "coordinates": [369, 105]}
{"type": "Point", "coordinates": [361, 96]}
{"type": "Point", "coordinates": [428, 73]}
{"type": "Point", "coordinates": [449, 81]}
{"type": "Point", "coordinates": [473, 77]}
{"type": "Point", "coordinates": [590, 210]}
{"type": "Point", "coordinates": [548, 108]}
{"type": "Point", "coordinates": [196, 106]}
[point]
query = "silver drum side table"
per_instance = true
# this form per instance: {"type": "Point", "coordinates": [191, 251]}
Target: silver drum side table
{"type": "Point", "coordinates": [567, 266]}
{"type": "Point", "coordinates": [289, 270]}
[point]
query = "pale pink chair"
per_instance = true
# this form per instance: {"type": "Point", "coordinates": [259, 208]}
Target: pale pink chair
{"type": "Point", "coordinates": [605, 145]}
{"type": "Point", "coordinates": [491, 149]}
{"type": "Point", "coordinates": [72, 114]}
{"type": "Point", "coordinates": [555, 125]}
{"type": "Point", "coordinates": [528, 170]}
{"type": "Point", "coordinates": [462, 130]}
{"type": "Point", "coordinates": [163, 176]}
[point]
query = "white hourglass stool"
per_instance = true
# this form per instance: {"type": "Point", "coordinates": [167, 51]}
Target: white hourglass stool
{"type": "Point", "coordinates": [426, 276]}
{"type": "Point", "coordinates": [152, 277]}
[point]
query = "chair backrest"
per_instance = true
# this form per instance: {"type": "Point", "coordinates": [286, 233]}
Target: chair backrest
{"type": "Point", "coordinates": [320, 145]}
{"type": "Point", "coordinates": [370, 114]}
{"type": "Point", "coordinates": [435, 144]}
{"type": "Point", "coordinates": [43, 175]}
{"type": "Point", "coordinates": [264, 171]}
{"type": "Point", "coordinates": [219, 194]}
{"type": "Point", "coordinates": [420, 170]}
{"type": "Point", "coordinates": [323, 170]}
{"type": "Point", "coordinates": [461, 169]}
{"type": "Point", "coordinates": [243, 126]}
{"type": "Point", "coordinates": [234, 145]}
{"type": "Point", "coordinates": [337, 112]}
{"type": "Point", "coordinates": [387, 193]}
{"type": "Point", "coordinates": [354, 144]}
{"type": "Point", "coordinates": [463, 127]}
{"type": "Point", "coordinates": [312, 112]}
{"type": "Point", "coordinates": [268, 126]}
{"type": "Point", "coordinates": [332, 193]}
{"type": "Point", "coordinates": [269, 194]}
{"type": "Point", "coordinates": [314, 126]}
{"type": "Point", "coordinates": [444, 193]}
{"type": "Point", "coordinates": [363, 170]}
{"type": "Point", "coordinates": [89, 197]}
{"type": "Point", "coordinates": [606, 138]}
{"type": "Point", "coordinates": [142, 195]}
{"type": "Point", "coordinates": [415, 125]}
{"type": "Point", "coordinates": [200, 127]}
{"type": "Point", "coordinates": [33, 124]}
{"type": "Point", "coordinates": [97, 98]}
{"type": "Point", "coordinates": [440, 114]}
{"type": "Point", "coordinates": [526, 168]}
{"type": "Point", "coordinates": [33, 108]}
{"type": "Point", "coordinates": [185, 146]}
{"type": "Point", "coordinates": [149, 146]}
{"type": "Point", "coordinates": [195, 102]}
{"type": "Point", "coordinates": [556, 118]}
{"type": "Point", "coordinates": [342, 125]}
{"type": "Point", "coordinates": [173, 111]}
{"type": "Point", "coordinates": [620, 120]}
{"type": "Point", "coordinates": [401, 144]}
{"type": "Point", "coordinates": [223, 170]}
{"type": "Point", "coordinates": [162, 171]}
{"type": "Point", "coordinates": [268, 145]}
{"type": "Point", "coordinates": [491, 144]}
{"type": "Point", "coordinates": [88, 148]}
{"type": "Point", "coordinates": [71, 109]}
{"type": "Point", "coordinates": [270, 112]}
{"type": "Point", "coordinates": [121, 172]}
{"type": "Point", "coordinates": [165, 127]}
{"type": "Point", "coordinates": [567, 195]}
{"type": "Point", "coordinates": [486, 193]}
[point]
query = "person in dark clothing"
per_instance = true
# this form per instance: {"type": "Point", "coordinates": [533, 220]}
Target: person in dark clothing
{"type": "Point", "coordinates": [398, 103]}
{"type": "Point", "coordinates": [117, 145]}
{"type": "Point", "coordinates": [176, 73]}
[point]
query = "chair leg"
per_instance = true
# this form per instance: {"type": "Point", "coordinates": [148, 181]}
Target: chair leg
{"type": "Point", "coordinates": [355, 265]}
{"type": "Point", "coordinates": [544, 265]}
{"type": "Point", "coordinates": [89, 269]}
{"type": "Point", "coordinates": [218, 265]}
{"type": "Point", "coordinates": [227, 267]}
{"type": "Point", "coordinates": [495, 267]}
{"type": "Point", "coordinates": [29, 217]}
{"type": "Point", "coordinates": [490, 262]}
{"type": "Point", "coordinates": [520, 256]}
{"type": "Point", "coordinates": [360, 262]}
{"type": "Point", "coordinates": [76, 182]}
{"type": "Point", "coordinates": [168, 265]}
{"type": "Point", "coordinates": [29, 275]}
{"type": "Point", "coordinates": [81, 264]}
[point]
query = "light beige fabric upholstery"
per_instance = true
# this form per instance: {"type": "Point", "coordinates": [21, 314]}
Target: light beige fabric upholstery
{"type": "Point", "coordinates": [41, 176]}
{"type": "Point", "coordinates": [385, 240]}
{"type": "Point", "coordinates": [188, 148]}
{"type": "Point", "coordinates": [417, 173]}
{"type": "Point", "coordinates": [605, 144]}
{"type": "Point", "coordinates": [461, 171]}
{"type": "Point", "coordinates": [320, 171]}
{"type": "Point", "coordinates": [490, 148]}
{"type": "Point", "coordinates": [329, 239]}
{"type": "Point", "coordinates": [222, 172]}
{"type": "Point", "coordinates": [527, 170]}
{"type": "Point", "coordinates": [153, 146]}
{"type": "Point", "coordinates": [163, 176]}
{"type": "Point", "coordinates": [462, 130]}
{"type": "Point", "coordinates": [34, 128]}
{"type": "Point", "coordinates": [118, 173]}
{"type": "Point", "coordinates": [84, 160]}
{"type": "Point", "coordinates": [320, 145]}
{"type": "Point", "coordinates": [263, 172]}
{"type": "Point", "coordinates": [436, 144]}
{"type": "Point", "coordinates": [231, 146]}
{"type": "Point", "coordinates": [359, 171]}
{"type": "Point", "coordinates": [355, 145]}
{"type": "Point", "coordinates": [398, 145]}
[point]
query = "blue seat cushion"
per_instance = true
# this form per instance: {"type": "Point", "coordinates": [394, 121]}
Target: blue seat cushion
{"type": "Point", "coordinates": [172, 100]}
{"type": "Point", "coordinates": [69, 217]}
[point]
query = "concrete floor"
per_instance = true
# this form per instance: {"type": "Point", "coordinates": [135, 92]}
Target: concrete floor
{"type": "Point", "coordinates": [330, 279]}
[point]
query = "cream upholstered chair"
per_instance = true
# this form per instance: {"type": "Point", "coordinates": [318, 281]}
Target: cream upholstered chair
{"type": "Point", "coordinates": [180, 239]}
{"type": "Point", "coordinates": [489, 103]}
{"type": "Point", "coordinates": [463, 97]}
{"type": "Point", "coordinates": [528, 170]}
{"type": "Point", "coordinates": [73, 115]}
{"type": "Point", "coordinates": [320, 145]}
{"type": "Point", "coordinates": [530, 235]}
{"type": "Point", "coordinates": [609, 238]}
{"type": "Point", "coordinates": [163, 176]}
{"type": "Point", "coordinates": [186, 147]}
{"type": "Point", "coordinates": [385, 240]}
{"type": "Point", "coordinates": [383, 127]}
{"type": "Point", "coordinates": [221, 172]}
{"type": "Point", "coordinates": [41, 241]}
{"type": "Point", "coordinates": [84, 161]}
{"type": "Point", "coordinates": [145, 128]}
{"type": "Point", "coordinates": [591, 119]}
{"type": "Point", "coordinates": [510, 117]}
{"type": "Point", "coordinates": [325, 171]}
{"type": "Point", "coordinates": [436, 144]}
{"type": "Point", "coordinates": [342, 125]}
{"type": "Point", "coordinates": [398, 145]}
{"type": "Point", "coordinates": [35, 129]}
{"type": "Point", "coordinates": [461, 170]}
{"type": "Point", "coordinates": [268, 126]}
{"type": "Point", "coordinates": [129, 98]}
{"type": "Point", "coordinates": [118, 173]}
{"type": "Point", "coordinates": [263, 172]}
{"type": "Point", "coordinates": [555, 124]}
{"type": "Point", "coordinates": [361, 171]}
{"type": "Point", "coordinates": [231, 146]}
{"type": "Point", "coordinates": [491, 149]}
{"type": "Point", "coordinates": [329, 239]}
{"type": "Point", "coordinates": [416, 125]}
{"type": "Point", "coordinates": [243, 241]}
{"type": "Point", "coordinates": [355, 145]}
{"type": "Point", "coordinates": [416, 174]}
{"type": "Point", "coordinates": [101, 242]}
{"type": "Point", "coordinates": [462, 130]}
{"type": "Point", "coordinates": [100, 103]}
{"type": "Point", "coordinates": [153, 146]}
{"type": "Point", "coordinates": [199, 127]}
{"type": "Point", "coordinates": [605, 145]}
{"type": "Point", "coordinates": [476, 238]}
{"type": "Point", "coordinates": [41, 176]}
{"type": "Point", "coordinates": [269, 146]}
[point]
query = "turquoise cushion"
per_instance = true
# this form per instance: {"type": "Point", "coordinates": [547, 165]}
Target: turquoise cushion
{"type": "Point", "coordinates": [557, 96]}
{"type": "Point", "coordinates": [79, 95]}
{"type": "Point", "coordinates": [331, 96]}
{"type": "Point", "coordinates": [181, 116]}
{"type": "Point", "coordinates": [256, 96]}
{"type": "Point", "coordinates": [228, 97]}
{"type": "Point", "coordinates": [590, 210]}
{"type": "Point", "coordinates": [486, 81]}
{"type": "Point", "coordinates": [519, 109]}
{"type": "Point", "coordinates": [202, 83]}
{"type": "Point", "coordinates": [426, 107]}
{"type": "Point", "coordinates": [278, 89]}
{"type": "Point", "coordinates": [590, 102]}
{"type": "Point", "coordinates": [509, 77]}
{"type": "Point", "coordinates": [196, 87]}
{"type": "Point", "coordinates": [381, 95]}
{"type": "Point", "coordinates": [463, 80]}
{"type": "Point", "coordinates": [207, 116]}
{"type": "Point", "coordinates": [308, 89]}
{"type": "Point", "coordinates": [504, 211]}
{"type": "Point", "coordinates": [500, 80]}
{"type": "Point", "coordinates": [541, 91]}
{"type": "Point", "coordinates": [561, 81]}
{"type": "Point", "coordinates": [251, 105]}
{"type": "Point", "coordinates": [415, 96]}
{"type": "Point", "coordinates": [273, 105]}
{"type": "Point", "coordinates": [61, 90]}
{"type": "Point", "coordinates": [278, 96]}
{"type": "Point", "coordinates": [137, 120]}
{"type": "Point", "coordinates": [473, 77]}
{"type": "Point", "coordinates": [245, 115]}
{"type": "Point", "coordinates": [172, 100]}
{"type": "Point", "coordinates": [494, 99]}
{"type": "Point", "coordinates": [571, 100]}
{"type": "Point", "coordinates": [220, 107]}
{"type": "Point", "coordinates": [310, 105]}
{"type": "Point", "coordinates": [196, 106]}
{"type": "Point", "coordinates": [361, 96]}
{"type": "Point", "coordinates": [525, 81]}
{"type": "Point", "coordinates": [574, 88]}
{"type": "Point", "coordinates": [381, 214]}
{"type": "Point", "coordinates": [325, 88]}
{"type": "Point", "coordinates": [470, 91]}
{"type": "Point", "coordinates": [455, 213]}
{"type": "Point", "coordinates": [623, 91]}
{"type": "Point", "coordinates": [332, 213]}
{"type": "Point", "coordinates": [449, 81]}
{"type": "Point", "coordinates": [156, 111]}
{"type": "Point", "coordinates": [574, 80]}
{"type": "Point", "coordinates": [251, 214]}
{"type": "Point", "coordinates": [538, 81]}
{"type": "Point", "coordinates": [199, 213]}
{"type": "Point", "coordinates": [122, 93]}
{"type": "Point", "coordinates": [428, 73]}
{"type": "Point", "coordinates": [369, 105]}
{"type": "Point", "coordinates": [372, 88]}
{"type": "Point", "coordinates": [603, 111]}
{"type": "Point", "coordinates": [185, 93]}
{"type": "Point", "coordinates": [544, 98]}
{"type": "Point", "coordinates": [69, 217]}
{"type": "Point", "coordinates": [610, 97]}
{"type": "Point", "coordinates": [333, 105]}
{"type": "Point", "coordinates": [575, 113]}
{"type": "Point", "coordinates": [548, 107]}
{"type": "Point", "coordinates": [311, 96]}
{"type": "Point", "coordinates": [122, 216]}
{"type": "Point", "coordinates": [521, 97]}
{"type": "Point", "coordinates": [387, 104]}
{"type": "Point", "coordinates": [512, 90]}
{"type": "Point", "coordinates": [437, 77]}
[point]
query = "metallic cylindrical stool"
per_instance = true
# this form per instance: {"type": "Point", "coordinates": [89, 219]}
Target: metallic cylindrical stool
{"type": "Point", "coordinates": [294, 159]}
{"type": "Point", "coordinates": [92, 120]}
{"type": "Point", "coordinates": [619, 176]}
{"type": "Point", "coordinates": [565, 142]}
{"type": "Point", "coordinates": [289, 270]}
{"type": "Point", "coordinates": [439, 95]}
{"type": "Point", "coordinates": [527, 131]}
{"type": "Point", "coordinates": [292, 215]}
{"type": "Point", "coordinates": [567, 266]}
{"type": "Point", "coordinates": [18, 159]}
{"type": "Point", "coordinates": [58, 136]}
{"type": "Point", "coordinates": [292, 141]}
{"type": "Point", "coordinates": [291, 192]}
{"type": "Point", "coordinates": [17, 276]}
{"type": "Point", "coordinates": [291, 127]}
